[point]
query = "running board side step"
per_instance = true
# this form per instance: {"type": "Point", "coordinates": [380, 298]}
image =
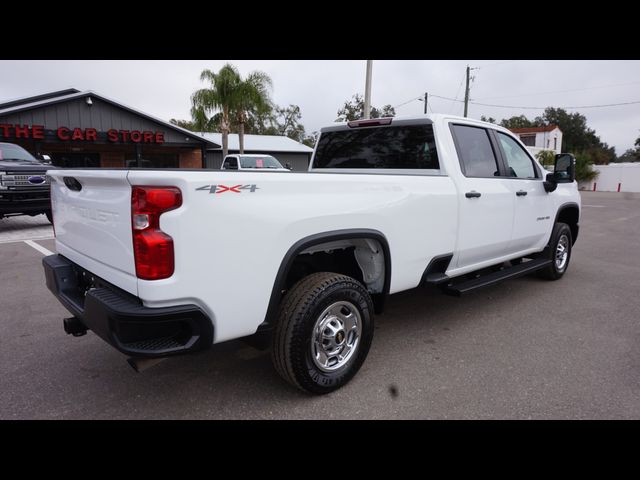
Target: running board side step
{"type": "Point", "coordinates": [496, 277]}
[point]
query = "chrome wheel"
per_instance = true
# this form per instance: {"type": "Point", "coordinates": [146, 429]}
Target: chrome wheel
{"type": "Point", "coordinates": [336, 335]}
{"type": "Point", "coordinates": [562, 252]}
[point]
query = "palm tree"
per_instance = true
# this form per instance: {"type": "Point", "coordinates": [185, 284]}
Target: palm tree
{"type": "Point", "coordinates": [220, 96]}
{"type": "Point", "coordinates": [253, 96]}
{"type": "Point", "coordinates": [232, 96]}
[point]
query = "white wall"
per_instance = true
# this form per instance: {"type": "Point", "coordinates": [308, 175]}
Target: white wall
{"type": "Point", "coordinates": [625, 174]}
{"type": "Point", "coordinates": [544, 140]}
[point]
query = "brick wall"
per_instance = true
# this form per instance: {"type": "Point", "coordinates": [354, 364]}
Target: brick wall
{"type": "Point", "coordinates": [112, 160]}
{"type": "Point", "coordinates": [191, 159]}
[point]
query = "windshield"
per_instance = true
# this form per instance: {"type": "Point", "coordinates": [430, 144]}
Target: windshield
{"type": "Point", "coordinates": [265, 161]}
{"type": "Point", "coordinates": [15, 153]}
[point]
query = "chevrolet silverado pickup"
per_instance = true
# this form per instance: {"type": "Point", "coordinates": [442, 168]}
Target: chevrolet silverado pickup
{"type": "Point", "coordinates": [166, 262]}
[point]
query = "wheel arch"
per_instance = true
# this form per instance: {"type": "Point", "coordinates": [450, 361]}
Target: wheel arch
{"type": "Point", "coordinates": [305, 243]}
{"type": "Point", "coordinates": [569, 213]}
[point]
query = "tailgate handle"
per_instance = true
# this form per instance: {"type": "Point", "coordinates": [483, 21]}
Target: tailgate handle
{"type": "Point", "coordinates": [72, 184]}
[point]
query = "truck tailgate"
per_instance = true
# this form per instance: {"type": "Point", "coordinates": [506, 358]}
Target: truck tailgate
{"type": "Point", "coordinates": [93, 222]}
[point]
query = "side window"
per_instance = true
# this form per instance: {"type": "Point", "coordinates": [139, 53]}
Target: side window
{"type": "Point", "coordinates": [518, 162]}
{"type": "Point", "coordinates": [230, 163]}
{"type": "Point", "coordinates": [475, 151]}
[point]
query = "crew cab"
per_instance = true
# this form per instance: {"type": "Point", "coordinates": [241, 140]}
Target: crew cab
{"type": "Point", "coordinates": [161, 263]}
{"type": "Point", "coordinates": [251, 162]}
{"type": "Point", "coordinates": [24, 186]}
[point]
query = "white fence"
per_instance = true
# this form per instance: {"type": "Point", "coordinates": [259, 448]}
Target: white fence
{"type": "Point", "coordinates": [615, 177]}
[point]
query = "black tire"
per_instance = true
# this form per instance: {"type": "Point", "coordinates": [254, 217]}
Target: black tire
{"type": "Point", "coordinates": [293, 340]}
{"type": "Point", "coordinates": [49, 216]}
{"type": "Point", "coordinates": [554, 271]}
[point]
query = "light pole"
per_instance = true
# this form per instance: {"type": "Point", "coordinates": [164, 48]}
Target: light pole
{"type": "Point", "coordinates": [367, 91]}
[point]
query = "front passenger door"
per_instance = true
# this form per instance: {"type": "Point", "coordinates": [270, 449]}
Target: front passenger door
{"type": "Point", "coordinates": [533, 219]}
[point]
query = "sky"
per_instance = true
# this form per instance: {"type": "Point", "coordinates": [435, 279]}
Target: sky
{"type": "Point", "coordinates": [320, 87]}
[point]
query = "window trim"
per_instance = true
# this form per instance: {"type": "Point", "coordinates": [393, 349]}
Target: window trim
{"type": "Point", "coordinates": [458, 148]}
{"type": "Point", "coordinates": [505, 163]}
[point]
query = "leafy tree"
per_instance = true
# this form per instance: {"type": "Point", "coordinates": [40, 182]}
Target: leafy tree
{"type": "Point", "coordinates": [232, 97]}
{"type": "Point", "coordinates": [546, 157]}
{"type": "Point", "coordinates": [310, 140]}
{"type": "Point", "coordinates": [487, 119]}
{"type": "Point", "coordinates": [354, 109]}
{"type": "Point", "coordinates": [630, 155]}
{"type": "Point", "coordinates": [187, 124]}
{"type": "Point", "coordinates": [288, 122]}
{"type": "Point", "coordinates": [519, 121]}
{"type": "Point", "coordinates": [584, 167]}
{"type": "Point", "coordinates": [252, 98]}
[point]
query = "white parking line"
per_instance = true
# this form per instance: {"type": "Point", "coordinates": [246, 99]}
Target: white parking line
{"type": "Point", "coordinates": [11, 240]}
{"type": "Point", "coordinates": [39, 248]}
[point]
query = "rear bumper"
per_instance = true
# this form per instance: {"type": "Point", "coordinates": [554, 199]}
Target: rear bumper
{"type": "Point", "coordinates": [120, 318]}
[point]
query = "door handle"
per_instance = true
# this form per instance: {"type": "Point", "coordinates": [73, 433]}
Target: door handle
{"type": "Point", "coordinates": [521, 193]}
{"type": "Point", "coordinates": [472, 194]}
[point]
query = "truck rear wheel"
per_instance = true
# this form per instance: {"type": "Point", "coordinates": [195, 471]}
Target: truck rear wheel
{"type": "Point", "coordinates": [324, 331]}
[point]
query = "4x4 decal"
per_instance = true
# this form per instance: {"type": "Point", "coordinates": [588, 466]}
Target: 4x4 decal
{"type": "Point", "coordinates": [224, 188]}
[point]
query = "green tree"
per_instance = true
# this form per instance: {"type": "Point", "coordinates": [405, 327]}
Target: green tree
{"type": "Point", "coordinates": [252, 98]}
{"type": "Point", "coordinates": [519, 121]}
{"type": "Point", "coordinates": [233, 98]}
{"type": "Point", "coordinates": [577, 136]}
{"type": "Point", "coordinates": [187, 124]}
{"type": "Point", "coordinates": [354, 109]}
{"type": "Point", "coordinates": [584, 167]}
{"type": "Point", "coordinates": [546, 157]}
{"type": "Point", "coordinates": [487, 119]}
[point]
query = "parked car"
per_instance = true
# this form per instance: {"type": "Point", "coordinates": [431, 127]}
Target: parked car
{"type": "Point", "coordinates": [252, 162]}
{"type": "Point", "coordinates": [160, 263]}
{"type": "Point", "coordinates": [24, 185]}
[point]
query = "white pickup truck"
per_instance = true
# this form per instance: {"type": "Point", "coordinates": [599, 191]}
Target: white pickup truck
{"type": "Point", "coordinates": [166, 262]}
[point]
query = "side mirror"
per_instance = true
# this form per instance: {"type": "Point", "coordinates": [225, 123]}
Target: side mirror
{"type": "Point", "coordinates": [565, 168]}
{"type": "Point", "coordinates": [287, 166]}
{"type": "Point", "coordinates": [550, 183]}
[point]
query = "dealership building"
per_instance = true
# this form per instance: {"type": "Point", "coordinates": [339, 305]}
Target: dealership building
{"type": "Point", "coordinates": [85, 129]}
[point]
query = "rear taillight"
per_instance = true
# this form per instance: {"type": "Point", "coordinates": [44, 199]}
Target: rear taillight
{"type": "Point", "coordinates": [152, 248]}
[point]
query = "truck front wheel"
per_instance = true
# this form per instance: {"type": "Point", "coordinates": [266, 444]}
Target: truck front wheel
{"type": "Point", "coordinates": [559, 251]}
{"type": "Point", "coordinates": [324, 331]}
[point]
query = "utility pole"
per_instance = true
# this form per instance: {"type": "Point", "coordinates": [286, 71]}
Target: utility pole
{"type": "Point", "coordinates": [367, 91]}
{"type": "Point", "coordinates": [466, 93]}
{"type": "Point", "coordinates": [426, 98]}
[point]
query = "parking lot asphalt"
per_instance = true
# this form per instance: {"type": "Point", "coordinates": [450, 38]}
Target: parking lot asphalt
{"type": "Point", "coordinates": [526, 348]}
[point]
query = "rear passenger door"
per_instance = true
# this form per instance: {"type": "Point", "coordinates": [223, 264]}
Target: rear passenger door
{"type": "Point", "coordinates": [487, 203]}
{"type": "Point", "coordinates": [533, 219]}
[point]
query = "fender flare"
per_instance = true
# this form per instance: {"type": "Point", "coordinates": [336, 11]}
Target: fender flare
{"type": "Point", "coordinates": [562, 207]}
{"type": "Point", "coordinates": [315, 239]}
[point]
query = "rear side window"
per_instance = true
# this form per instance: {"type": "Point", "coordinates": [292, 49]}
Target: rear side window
{"type": "Point", "coordinates": [476, 154]}
{"type": "Point", "coordinates": [399, 147]}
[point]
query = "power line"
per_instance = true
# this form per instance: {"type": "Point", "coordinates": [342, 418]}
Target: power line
{"type": "Point", "coordinates": [561, 91]}
{"type": "Point", "coordinates": [409, 101]}
{"type": "Point", "coordinates": [537, 108]}
{"type": "Point", "coordinates": [458, 91]}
